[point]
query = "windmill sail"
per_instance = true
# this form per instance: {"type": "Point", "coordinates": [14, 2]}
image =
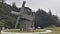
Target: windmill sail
{"type": "Point", "coordinates": [20, 14]}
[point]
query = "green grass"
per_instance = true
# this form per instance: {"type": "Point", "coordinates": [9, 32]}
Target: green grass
{"type": "Point", "coordinates": [18, 30]}
{"type": "Point", "coordinates": [55, 30]}
{"type": "Point", "coordinates": [11, 30]}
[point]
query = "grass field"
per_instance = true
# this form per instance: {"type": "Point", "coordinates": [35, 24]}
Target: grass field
{"type": "Point", "coordinates": [18, 30]}
{"type": "Point", "coordinates": [55, 30]}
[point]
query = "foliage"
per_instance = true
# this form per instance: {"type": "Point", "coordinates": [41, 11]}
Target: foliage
{"type": "Point", "coordinates": [5, 16]}
{"type": "Point", "coordinates": [43, 19]}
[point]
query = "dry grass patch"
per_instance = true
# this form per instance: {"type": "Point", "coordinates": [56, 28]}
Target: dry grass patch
{"type": "Point", "coordinates": [55, 30]}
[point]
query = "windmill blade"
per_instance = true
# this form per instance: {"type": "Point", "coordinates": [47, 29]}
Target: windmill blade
{"type": "Point", "coordinates": [19, 13]}
{"type": "Point", "coordinates": [17, 22]}
{"type": "Point", "coordinates": [15, 13]}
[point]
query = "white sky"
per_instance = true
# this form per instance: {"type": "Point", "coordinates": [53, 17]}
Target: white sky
{"type": "Point", "coordinates": [54, 5]}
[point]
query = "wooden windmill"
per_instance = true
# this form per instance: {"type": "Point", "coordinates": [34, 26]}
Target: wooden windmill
{"type": "Point", "coordinates": [27, 20]}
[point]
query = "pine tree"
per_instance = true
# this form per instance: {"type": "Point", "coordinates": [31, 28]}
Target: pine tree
{"type": "Point", "coordinates": [14, 7]}
{"type": "Point", "coordinates": [2, 1]}
{"type": "Point", "coordinates": [50, 13]}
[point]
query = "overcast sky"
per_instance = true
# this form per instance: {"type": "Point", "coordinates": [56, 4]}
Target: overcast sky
{"type": "Point", "coordinates": [54, 5]}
